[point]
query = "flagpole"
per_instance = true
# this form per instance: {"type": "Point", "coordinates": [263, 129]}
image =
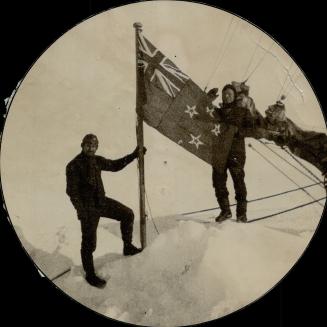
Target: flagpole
{"type": "Point", "coordinates": [140, 139]}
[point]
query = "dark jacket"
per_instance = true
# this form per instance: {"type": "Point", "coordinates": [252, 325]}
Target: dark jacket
{"type": "Point", "coordinates": [235, 115]}
{"type": "Point", "coordinates": [239, 117]}
{"type": "Point", "coordinates": [84, 183]}
{"type": "Point", "coordinates": [308, 145]}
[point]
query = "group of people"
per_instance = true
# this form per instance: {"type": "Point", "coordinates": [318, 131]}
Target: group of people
{"type": "Point", "coordinates": [238, 109]}
{"type": "Point", "coordinates": [86, 191]}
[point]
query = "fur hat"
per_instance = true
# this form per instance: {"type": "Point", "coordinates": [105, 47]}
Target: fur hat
{"type": "Point", "coordinates": [280, 105]}
{"type": "Point", "coordinates": [241, 87]}
{"type": "Point", "coordinates": [230, 86]}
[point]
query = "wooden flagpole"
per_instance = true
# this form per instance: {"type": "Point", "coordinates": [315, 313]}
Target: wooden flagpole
{"type": "Point", "coordinates": [139, 136]}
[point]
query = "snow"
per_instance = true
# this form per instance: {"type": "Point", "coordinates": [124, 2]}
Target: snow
{"type": "Point", "coordinates": [190, 273]}
{"type": "Point", "coordinates": [193, 269]}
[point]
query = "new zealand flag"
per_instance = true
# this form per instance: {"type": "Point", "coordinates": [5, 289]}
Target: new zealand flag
{"type": "Point", "coordinates": [175, 106]}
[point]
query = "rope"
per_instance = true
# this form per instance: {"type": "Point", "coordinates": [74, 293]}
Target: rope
{"type": "Point", "coordinates": [276, 167]}
{"type": "Point", "coordinates": [147, 200]}
{"type": "Point", "coordinates": [287, 210]}
{"type": "Point", "coordinates": [226, 47]}
{"type": "Point", "coordinates": [220, 51]}
{"type": "Point", "coordinates": [286, 78]}
{"type": "Point", "coordinates": [299, 170]}
{"type": "Point", "coordinates": [61, 274]}
{"type": "Point", "coordinates": [303, 166]}
{"type": "Point", "coordinates": [223, 52]}
{"type": "Point", "coordinates": [254, 200]}
{"type": "Point", "coordinates": [261, 60]}
{"type": "Point", "coordinates": [253, 55]}
{"type": "Point", "coordinates": [292, 85]}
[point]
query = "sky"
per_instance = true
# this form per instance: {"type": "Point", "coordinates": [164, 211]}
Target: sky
{"type": "Point", "coordinates": [85, 82]}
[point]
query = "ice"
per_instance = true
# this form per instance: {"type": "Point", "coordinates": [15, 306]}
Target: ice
{"type": "Point", "coordinates": [192, 269]}
{"type": "Point", "coordinates": [190, 273]}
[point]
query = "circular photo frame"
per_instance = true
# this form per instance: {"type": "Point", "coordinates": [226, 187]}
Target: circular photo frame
{"type": "Point", "coordinates": [164, 163]}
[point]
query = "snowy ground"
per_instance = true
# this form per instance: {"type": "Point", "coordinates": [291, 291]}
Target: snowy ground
{"type": "Point", "coordinates": [193, 270]}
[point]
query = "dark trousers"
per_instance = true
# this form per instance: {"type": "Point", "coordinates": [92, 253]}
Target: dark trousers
{"type": "Point", "coordinates": [109, 208]}
{"type": "Point", "coordinates": [235, 165]}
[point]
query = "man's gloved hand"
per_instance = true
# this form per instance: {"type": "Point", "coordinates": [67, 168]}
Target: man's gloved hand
{"type": "Point", "coordinates": [136, 151]}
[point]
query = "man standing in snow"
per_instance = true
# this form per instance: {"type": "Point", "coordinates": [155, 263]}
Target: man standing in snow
{"type": "Point", "coordinates": [231, 113]}
{"type": "Point", "coordinates": [86, 192]}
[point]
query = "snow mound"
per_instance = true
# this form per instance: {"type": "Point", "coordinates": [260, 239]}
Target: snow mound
{"type": "Point", "coordinates": [189, 274]}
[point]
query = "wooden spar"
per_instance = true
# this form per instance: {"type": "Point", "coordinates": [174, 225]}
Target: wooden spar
{"type": "Point", "coordinates": [139, 136]}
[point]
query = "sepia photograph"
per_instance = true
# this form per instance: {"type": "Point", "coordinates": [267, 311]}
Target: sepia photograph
{"type": "Point", "coordinates": [164, 163]}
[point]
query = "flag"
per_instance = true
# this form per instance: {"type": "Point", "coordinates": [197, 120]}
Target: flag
{"type": "Point", "coordinates": [175, 106]}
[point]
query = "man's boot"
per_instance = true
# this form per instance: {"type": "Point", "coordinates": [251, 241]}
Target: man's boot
{"type": "Point", "coordinates": [90, 276]}
{"type": "Point", "coordinates": [225, 211]}
{"type": "Point", "coordinates": [130, 249]}
{"type": "Point", "coordinates": [95, 281]}
{"type": "Point", "coordinates": [241, 212]}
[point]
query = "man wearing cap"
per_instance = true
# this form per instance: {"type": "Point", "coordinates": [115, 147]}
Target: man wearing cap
{"type": "Point", "coordinates": [86, 192]}
{"type": "Point", "coordinates": [308, 145]}
{"type": "Point", "coordinates": [231, 113]}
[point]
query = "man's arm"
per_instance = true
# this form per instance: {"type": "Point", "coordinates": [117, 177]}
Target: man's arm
{"type": "Point", "coordinates": [253, 124]}
{"type": "Point", "coordinates": [118, 164]}
{"type": "Point", "coordinates": [72, 189]}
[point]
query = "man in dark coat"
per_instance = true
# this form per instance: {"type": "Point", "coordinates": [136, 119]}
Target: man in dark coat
{"type": "Point", "coordinates": [308, 145]}
{"type": "Point", "coordinates": [231, 113]}
{"type": "Point", "coordinates": [86, 192]}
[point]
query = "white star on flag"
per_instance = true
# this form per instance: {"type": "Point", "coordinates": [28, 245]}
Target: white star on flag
{"type": "Point", "coordinates": [191, 111]}
{"type": "Point", "coordinates": [196, 141]}
{"type": "Point", "coordinates": [210, 111]}
{"type": "Point", "coordinates": [216, 130]}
